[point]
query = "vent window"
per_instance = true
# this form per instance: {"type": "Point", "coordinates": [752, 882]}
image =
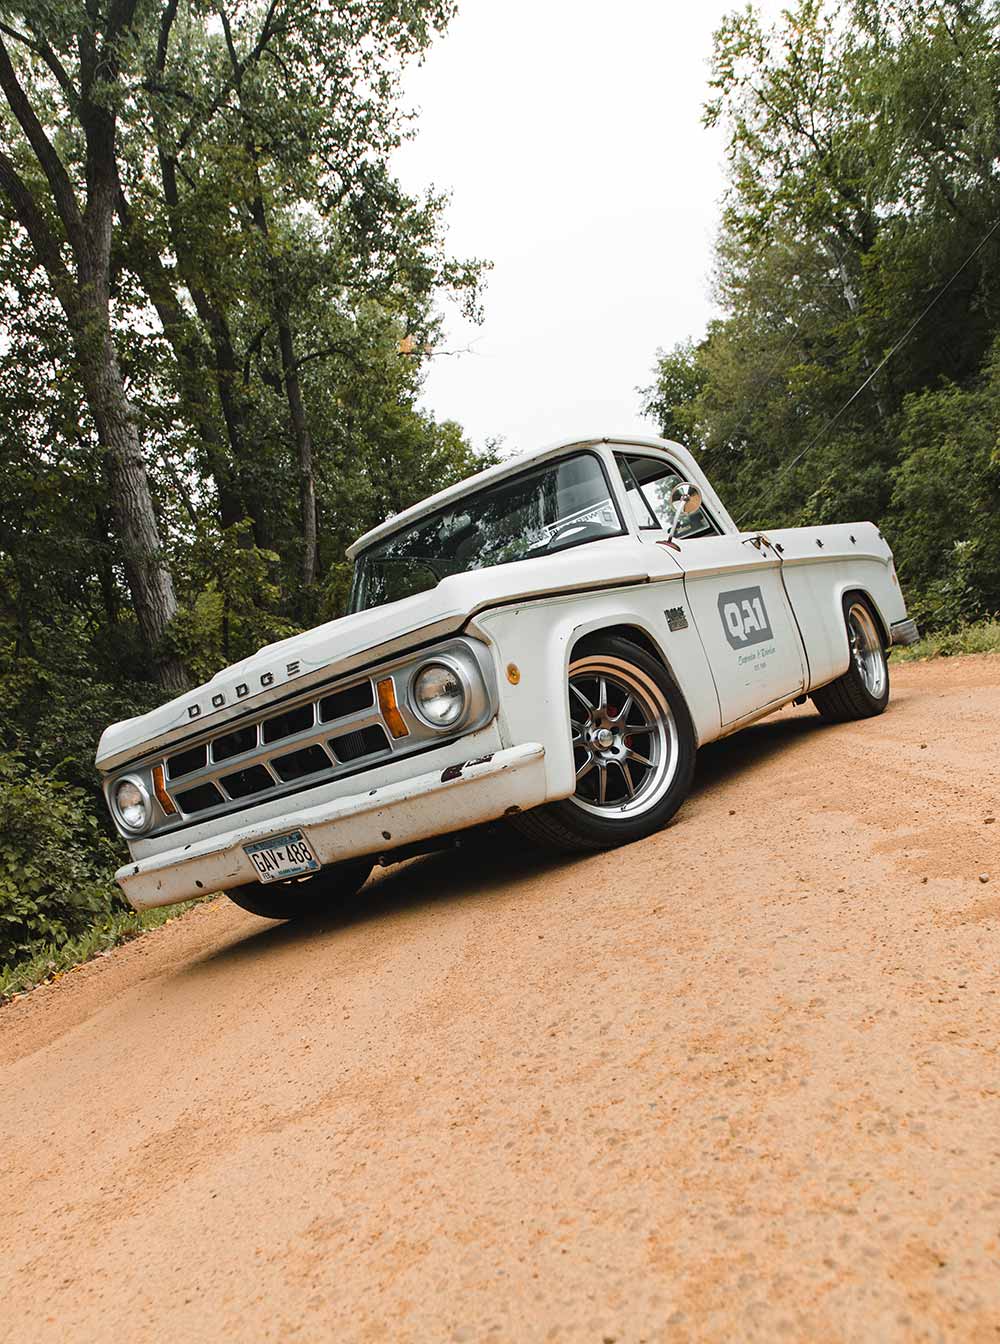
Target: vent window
{"type": "Point", "coordinates": [362, 742]}
{"type": "Point", "coordinates": [298, 763]}
{"type": "Point", "coordinates": [351, 701]}
{"type": "Point", "coordinates": [187, 761]}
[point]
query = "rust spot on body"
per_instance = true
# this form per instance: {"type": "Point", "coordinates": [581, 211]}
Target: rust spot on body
{"type": "Point", "coordinates": [455, 771]}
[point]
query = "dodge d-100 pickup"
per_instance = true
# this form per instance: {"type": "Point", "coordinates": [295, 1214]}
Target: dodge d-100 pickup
{"type": "Point", "coordinates": [549, 641]}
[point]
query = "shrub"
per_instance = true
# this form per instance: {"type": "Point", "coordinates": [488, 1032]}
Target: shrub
{"type": "Point", "coordinates": [56, 861]}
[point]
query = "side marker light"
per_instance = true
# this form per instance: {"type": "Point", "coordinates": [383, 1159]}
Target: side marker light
{"type": "Point", "coordinates": [389, 709]}
{"type": "Point", "coordinates": [159, 788]}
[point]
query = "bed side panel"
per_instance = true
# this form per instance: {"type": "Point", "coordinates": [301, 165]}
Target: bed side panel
{"type": "Point", "coordinates": [820, 565]}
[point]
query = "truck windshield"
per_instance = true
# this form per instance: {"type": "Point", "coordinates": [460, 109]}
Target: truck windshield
{"type": "Point", "coordinates": [549, 508]}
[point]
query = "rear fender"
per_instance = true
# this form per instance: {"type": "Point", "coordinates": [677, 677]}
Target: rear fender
{"type": "Point", "coordinates": [820, 566]}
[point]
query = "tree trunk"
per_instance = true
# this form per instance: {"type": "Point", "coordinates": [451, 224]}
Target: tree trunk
{"type": "Point", "coordinates": [293, 388]}
{"type": "Point", "coordinates": [144, 260]}
{"type": "Point", "coordinates": [290, 372]}
{"type": "Point", "coordinates": [303, 446]}
{"type": "Point", "coordinates": [148, 577]}
{"type": "Point", "coordinates": [237, 500]}
{"type": "Point", "coordinates": [85, 299]}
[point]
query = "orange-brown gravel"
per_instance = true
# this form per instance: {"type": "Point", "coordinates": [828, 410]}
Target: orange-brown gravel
{"type": "Point", "coordinates": [738, 1081]}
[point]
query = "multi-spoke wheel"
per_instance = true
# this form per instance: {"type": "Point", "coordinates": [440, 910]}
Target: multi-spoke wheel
{"type": "Point", "coordinates": [866, 648]}
{"type": "Point", "coordinates": [633, 750]}
{"type": "Point", "coordinates": [863, 690]}
{"type": "Point", "coordinates": [624, 736]}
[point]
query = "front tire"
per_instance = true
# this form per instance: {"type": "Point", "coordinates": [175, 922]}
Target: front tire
{"type": "Point", "coordinates": [634, 748]}
{"type": "Point", "coordinates": [301, 897]}
{"type": "Point", "coordinates": [863, 690]}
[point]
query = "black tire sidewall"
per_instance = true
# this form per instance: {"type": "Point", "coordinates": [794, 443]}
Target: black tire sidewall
{"type": "Point", "coordinates": [875, 703]}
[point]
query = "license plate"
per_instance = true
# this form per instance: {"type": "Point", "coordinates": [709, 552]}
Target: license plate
{"type": "Point", "coordinates": [282, 857]}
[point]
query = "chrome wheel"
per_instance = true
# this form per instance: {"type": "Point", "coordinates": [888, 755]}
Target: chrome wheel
{"type": "Point", "coordinates": [625, 743]}
{"type": "Point", "coordinates": [866, 649]}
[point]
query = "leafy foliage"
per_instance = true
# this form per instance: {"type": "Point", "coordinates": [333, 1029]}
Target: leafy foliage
{"type": "Point", "coordinates": [51, 960]}
{"type": "Point", "coordinates": [863, 205]}
{"type": "Point", "coordinates": [981, 637]}
{"type": "Point", "coordinates": [272, 299]}
{"type": "Point", "coordinates": [55, 861]}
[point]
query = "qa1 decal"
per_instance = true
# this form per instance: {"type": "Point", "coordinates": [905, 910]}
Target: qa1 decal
{"type": "Point", "coordinates": [744, 617]}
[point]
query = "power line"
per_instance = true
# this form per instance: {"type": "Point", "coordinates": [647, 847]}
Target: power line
{"type": "Point", "coordinates": [876, 371]}
{"type": "Point", "coordinates": [911, 137]}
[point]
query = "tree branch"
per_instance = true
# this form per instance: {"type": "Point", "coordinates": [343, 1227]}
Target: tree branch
{"type": "Point", "coordinates": [120, 15]}
{"type": "Point", "coordinates": [163, 39]}
{"type": "Point", "coordinates": [51, 164]}
{"type": "Point", "coordinates": [268, 30]}
{"type": "Point", "coordinates": [41, 48]}
{"type": "Point", "coordinates": [43, 240]}
{"type": "Point", "coordinates": [327, 350]}
{"type": "Point", "coordinates": [252, 349]}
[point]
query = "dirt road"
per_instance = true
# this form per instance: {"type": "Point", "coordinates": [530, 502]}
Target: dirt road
{"type": "Point", "coordinates": [739, 1081]}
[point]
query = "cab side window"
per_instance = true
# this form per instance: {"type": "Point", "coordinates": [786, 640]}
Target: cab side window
{"type": "Point", "coordinates": [648, 483]}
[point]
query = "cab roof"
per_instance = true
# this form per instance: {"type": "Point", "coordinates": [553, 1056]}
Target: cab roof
{"type": "Point", "coordinates": [511, 467]}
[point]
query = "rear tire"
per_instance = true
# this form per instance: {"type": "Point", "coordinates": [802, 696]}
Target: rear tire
{"type": "Point", "coordinates": [303, 896]}
{"type": "Point", "coordinates": [634, 747]}
{"type": "Point", "coordinates": [863, 690]}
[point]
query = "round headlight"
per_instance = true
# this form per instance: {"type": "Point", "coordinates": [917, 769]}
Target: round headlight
{"type": "Point", "coordinates": [132, 804]}
{"type": "Point", "coordinates": [439, 694]}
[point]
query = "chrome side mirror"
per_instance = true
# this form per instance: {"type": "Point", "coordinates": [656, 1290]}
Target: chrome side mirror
{"type": "Point", "coordinates": [684, 498]}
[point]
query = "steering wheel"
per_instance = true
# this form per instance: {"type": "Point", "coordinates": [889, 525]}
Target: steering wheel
{"type": "Point", "coordinates": [586, 530]}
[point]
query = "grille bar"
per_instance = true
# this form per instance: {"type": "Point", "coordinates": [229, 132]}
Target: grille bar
{"type": "Point", "coordinates": [330, 731]}
{"type": "Point", "coordinates": [238, 764]}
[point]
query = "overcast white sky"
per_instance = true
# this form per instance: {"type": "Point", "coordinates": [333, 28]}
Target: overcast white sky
{"type": "Point", "coordinates": [568, 133]}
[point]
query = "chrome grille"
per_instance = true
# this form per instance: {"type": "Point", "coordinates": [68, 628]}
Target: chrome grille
{"type": "Point", "coordinates": [301, 743]}
{"type": "Point", "coordinates": [332, 730]}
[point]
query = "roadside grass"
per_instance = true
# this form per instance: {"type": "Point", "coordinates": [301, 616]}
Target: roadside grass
{"type": "Point", "coordinates": [983, 637]}
{"type": "Point", "coordinates": [50, 962]}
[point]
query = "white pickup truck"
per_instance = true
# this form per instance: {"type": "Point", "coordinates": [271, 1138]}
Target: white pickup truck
{"type": "Point", "coordinates": [549, 641]}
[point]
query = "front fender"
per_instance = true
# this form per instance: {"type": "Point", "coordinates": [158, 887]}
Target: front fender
{"type": "Point", "coordinates": [533, 642]}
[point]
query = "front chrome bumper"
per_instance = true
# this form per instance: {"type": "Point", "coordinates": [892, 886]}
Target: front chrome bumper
{"type": "Point", "coordinates": [375, 821]}
{"type": "Point", "coordinates": [905, 632]}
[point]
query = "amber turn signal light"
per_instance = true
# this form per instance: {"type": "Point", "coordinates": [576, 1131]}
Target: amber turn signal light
{"type": "Point", "coordinates": [390, 710]}
{"type": "Point", "coordinates": [160, 789]}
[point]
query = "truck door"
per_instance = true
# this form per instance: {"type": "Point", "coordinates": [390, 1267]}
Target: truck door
{"type": "Point", "coordinates": [734, 591]}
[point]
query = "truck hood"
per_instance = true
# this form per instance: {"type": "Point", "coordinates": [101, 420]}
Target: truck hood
{"type": "Point", "coordinates": [367, 637]}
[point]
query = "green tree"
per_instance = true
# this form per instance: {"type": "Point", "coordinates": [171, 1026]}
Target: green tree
{"type": "Point", "coordinates": [856, 268]}
{"type": "Point", "coordinates": [273, 196]}
{"type": "Point", "coordinates": [63, 196]}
